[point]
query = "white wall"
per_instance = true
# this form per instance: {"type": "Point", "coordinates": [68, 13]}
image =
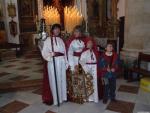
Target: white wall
{"type": "Point", "coordinates": [10, 38]}
{"type": "Point", "coordinates": [121, 8]}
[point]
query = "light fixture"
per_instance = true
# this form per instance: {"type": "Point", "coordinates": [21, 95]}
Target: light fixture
{"type": "Point", "coordinates": [11, 10]}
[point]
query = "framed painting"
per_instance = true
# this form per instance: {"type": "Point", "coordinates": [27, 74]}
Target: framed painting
{"type": "Point", "coordinates": [13, 28]}
{"type": "Point", "coordinates": [11, 10]}
{"type": "Point", "coordinates": [102, 15]}
{"type": "Point", "coordinates": [26, 7]}
{"type": "Point", "coordinates": [1, 10]}
{"type": "Point", "coordinates": [27, 10]}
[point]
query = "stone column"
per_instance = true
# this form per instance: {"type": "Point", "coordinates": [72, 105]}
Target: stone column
{"type": "Point", "coordinates": [40, 9]}
{"type": "Point", "coordinates": [137, 26]}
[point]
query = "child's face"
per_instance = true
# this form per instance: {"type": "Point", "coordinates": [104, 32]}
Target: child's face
{"type": "Point", "coordinates": [89, 44]}
{"type": "Point", "coordinates": [77, 33]}
{"type": "Point", "coordinates": [109, 48]}
{"type": "Point", "coordinates": [56, 31]}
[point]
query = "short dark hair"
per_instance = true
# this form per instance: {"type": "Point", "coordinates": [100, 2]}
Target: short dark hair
{"type": "Point", "coordinates": [54, 26]}
{"type": "Point", "coordinates": [110, 43]}
{"type": "Point", "coordinates": [79, 28]}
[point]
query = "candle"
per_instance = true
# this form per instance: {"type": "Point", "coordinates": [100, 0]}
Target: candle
{"type": "Point", "coordinates": [51, 15]}
{"type": "Point", "coordinates": [72, 17]}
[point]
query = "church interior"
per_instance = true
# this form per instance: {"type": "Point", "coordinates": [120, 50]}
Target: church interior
{"type": "Point", "coordinates": [125, 23]}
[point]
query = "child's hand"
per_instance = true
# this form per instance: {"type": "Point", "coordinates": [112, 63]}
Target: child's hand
{"type": "Point", "coordinates": [52, 54]}
{"type": "Point", "coordinates": [112, 70]}
{"type": "Point", "coordinates": [108, 69]}
{"type": "Point", "coordinates": [103, 83]}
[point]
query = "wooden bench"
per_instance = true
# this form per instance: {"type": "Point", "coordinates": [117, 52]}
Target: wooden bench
{"type": "Point", "coordinates": [138, 69]}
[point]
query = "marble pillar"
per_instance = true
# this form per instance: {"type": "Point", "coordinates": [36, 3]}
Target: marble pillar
{"type": "Point", "coordinates": [40, 9]}
{"type": "Point", "coordinates": [137, 30]}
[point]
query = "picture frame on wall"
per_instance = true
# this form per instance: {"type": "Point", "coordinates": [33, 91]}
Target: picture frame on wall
{"type": "Point", "coordinates": [1, 10]}
{"type": "Point", "coordinates": [102, 19]}
{"type": "Point", "coordinates": [27, 11]}
{"type": "Point", "coordinates": [13, 28]}
{"type": "Point", "coordinates": [11, 10]}
{"type": "Point", "coordinates": [26, 7]}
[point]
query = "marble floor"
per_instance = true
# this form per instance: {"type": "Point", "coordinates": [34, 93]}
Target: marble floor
{"type": "Point", "coordinates": [27, 67]}
{"type": "Point", "coordinates": [131, 99]}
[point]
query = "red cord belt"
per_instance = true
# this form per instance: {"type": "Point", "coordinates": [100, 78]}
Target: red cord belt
{"type": "Point", "coordinates": [91, 63]}
{"type": "Point", "coordinates": [77, 54]}
{"type": "Point", "coordinates": [58, 54]}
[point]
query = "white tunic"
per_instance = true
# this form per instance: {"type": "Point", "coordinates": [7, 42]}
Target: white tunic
{"type": "Point", "coordinates": [75, 46]}
{"type": "Point", "coordinates": [89, 57]}
{"type": "Point", "coordinates": [61, 66]}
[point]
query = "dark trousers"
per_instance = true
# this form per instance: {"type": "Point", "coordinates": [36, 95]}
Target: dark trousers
{"type": "Point", "coordinates": [109, 88]}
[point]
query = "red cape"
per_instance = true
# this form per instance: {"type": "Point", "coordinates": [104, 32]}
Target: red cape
{"type": "Point", "coordinates": [46, 92]}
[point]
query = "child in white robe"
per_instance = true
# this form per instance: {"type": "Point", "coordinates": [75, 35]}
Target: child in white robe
{"type": "Point", "coordinates": [88, 61]}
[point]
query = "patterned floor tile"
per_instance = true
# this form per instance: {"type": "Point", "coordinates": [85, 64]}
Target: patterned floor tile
{"type": "Point", "coordinates": [9, 66]}
{"type": "Point", "coordinates": [40, 63]}
{"type": "Point", "coordinates": [13, 107]}
{"type": "Point", "coordinates": [107, 111]}
{"type": "Point", "coordinates": [121, 106]}
{"type": "Point", "coordinates": [141, 108]}
{"type": "Point", "coordinates": [14, 60]}
{"type": "Point", "coordinates": [50, 111]}
{"type": "Point", "coordinates": [130, 97]}
{"type": "Point", "coordinates": [22, 65]}
{"type": "Point", "coordinates": [25, 62]}
{"type": "Point", "coordinates": [3, 74]}
{"type": "Point", "coordinates": [38, 91]}
{"type": "Point", "coordinates": [129, 89]}
{"type": "Point", "coordinates": [39, 71]}
{"type": "Point", "coordinates": [23, 68]}
{"type": "Point", "coordinates": [143, 97]}
{"type": "Point", "coordinates": [19, 78]}
{"type": "Point", "coordinates": [32, 56]}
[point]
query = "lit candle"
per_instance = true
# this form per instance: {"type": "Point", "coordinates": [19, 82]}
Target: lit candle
{"type": "Point", "coordinates": [51, 15]}
{"type": "Point", "coordinates": [72, 17]}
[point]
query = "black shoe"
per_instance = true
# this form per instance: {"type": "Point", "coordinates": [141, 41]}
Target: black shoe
{"type": "Point", "coordinates": [113, 100]}
{"type": "Point", "coordinates": [105, 101]}
{"type": "Point", "coordinates": [48, 103]}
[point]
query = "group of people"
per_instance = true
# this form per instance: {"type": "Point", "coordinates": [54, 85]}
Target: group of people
{"type": "Point", "coordinates": [60, 55]}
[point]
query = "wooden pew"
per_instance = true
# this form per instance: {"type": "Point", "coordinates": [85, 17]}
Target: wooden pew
{"type": "Point", "coordinates": [138, 69]}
